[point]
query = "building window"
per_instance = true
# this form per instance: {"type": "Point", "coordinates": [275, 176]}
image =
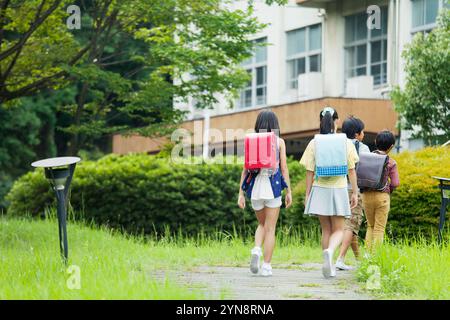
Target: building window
{"type": "Point", "coordinates": [304, 53]}
{"type": "Point", "coordinates": [255, 93]}
{"type": "Point", "coordinates": [424, 14]}
{"type": "Point", "coordinates": [366, 49]}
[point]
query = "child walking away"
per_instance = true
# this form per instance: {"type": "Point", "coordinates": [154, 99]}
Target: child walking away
{"type": "Point", "coordinates": [328, 158]}
{"type": "Point", "coordinates": [354, 129]}
{"type": "Point", "coordinates": [376, 201]}
{"type": "Point", "coordinates": [263, 186]}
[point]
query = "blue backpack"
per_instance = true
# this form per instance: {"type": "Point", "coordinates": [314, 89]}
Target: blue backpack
{"type": "Point", "coordinates": [331, 155]}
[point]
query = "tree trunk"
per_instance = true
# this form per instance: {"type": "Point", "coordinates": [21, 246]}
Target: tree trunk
{"type": "Point", "coordinates": [74, 143]}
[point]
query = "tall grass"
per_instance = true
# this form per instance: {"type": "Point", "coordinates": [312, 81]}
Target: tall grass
{"type": "Point", "coordinates": [285, 236]}
{"type": "Point", "coordinates": [115, 265]}
{"type": "Point", "coordinates": [111, 266]}
{"type": "Point", "coordinates": [120, 266]}
{"type": "Point", "coordinates": [222, 248]}
{"type": "Point", "coordinates": [411, 269]}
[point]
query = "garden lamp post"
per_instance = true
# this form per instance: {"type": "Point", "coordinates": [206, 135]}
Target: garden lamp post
{"type": "Point", "coordinates": [59, 171]}
{"type": "Point", "coordinates": [444, 185]}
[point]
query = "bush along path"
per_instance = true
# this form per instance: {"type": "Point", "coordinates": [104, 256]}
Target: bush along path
{"type": "Point", "coordinates": [139, 194]}
{"type": "Point", "coordinates": [303, 282]}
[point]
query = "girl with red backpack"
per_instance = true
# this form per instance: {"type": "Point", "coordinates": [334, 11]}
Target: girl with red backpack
{"type": "Point", "coordinates": [264, 186]}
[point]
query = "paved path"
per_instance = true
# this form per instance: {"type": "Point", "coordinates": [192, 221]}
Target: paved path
{"type": "Point", "coordinates": [289, 282]}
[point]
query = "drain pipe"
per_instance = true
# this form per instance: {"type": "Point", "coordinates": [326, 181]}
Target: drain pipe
{"type": "Point", "coordinates": [397, 41]}
{"type": "Point", "coordinates": [394, 78]}
{"type": "Point", "coordinates": [397, 62]}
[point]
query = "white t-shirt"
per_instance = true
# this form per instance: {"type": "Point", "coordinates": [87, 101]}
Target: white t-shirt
{"type": "Point", "coordinates": [262, 189]}
{"type": "Point", "coordinates": [362, 147]}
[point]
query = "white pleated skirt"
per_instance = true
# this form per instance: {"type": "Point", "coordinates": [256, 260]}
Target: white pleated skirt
{"type": "Point", "coordinates": [328, 202]}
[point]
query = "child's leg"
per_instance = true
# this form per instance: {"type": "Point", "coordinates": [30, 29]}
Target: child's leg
{"type": "Point", "coordinates": [381, 217]}
{"type": "Point", "coordinates": [348, 234]}
{"type": "Point", "coordinates": [260, 232]}
{"type": "Point", "coordinates": [346, 242]}
{"type": "Point", "coordinates": [325, 224]}
{"type": "Point", "coordinates": [259, 238]}
{"type": "Point", "coordinates": [357, 225]}
{"type": "Point", "coordinates": [337, 229]}
{"type": "Point", "coordinates": [269, 228]}
{"type": "Point", "coordinates": [370, 217]}
{"type": "Point", "coordinates": [355, 246]}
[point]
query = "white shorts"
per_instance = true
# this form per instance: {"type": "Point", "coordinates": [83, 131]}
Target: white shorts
{"type": "Point", "coordinates": [270, 203]}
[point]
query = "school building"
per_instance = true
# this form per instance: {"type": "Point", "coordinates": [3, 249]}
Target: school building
{"type": "Point", "coordinates": [319, 52]}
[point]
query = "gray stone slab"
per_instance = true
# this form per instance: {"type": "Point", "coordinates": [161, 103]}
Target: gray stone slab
{"type": "Point", "coordinates": [295, 282]}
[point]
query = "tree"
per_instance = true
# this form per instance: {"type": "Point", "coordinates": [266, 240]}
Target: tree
{"type": "Point", "coordinates": [425, 101]}
{"type": "Point", "coordinates": [20, 133]}
{"type": "Point", "coordinates": [115, 74]}
{"type": "Point", "coordinates": [124, 59]}
{"type": "Point", "coordinates": [34, 45]}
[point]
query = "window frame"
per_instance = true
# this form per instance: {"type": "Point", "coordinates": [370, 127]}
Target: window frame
{"type": "Point", "coordinates": [354, 44]}
{"type": "Point", "coordinates": [307, 54]}
{"type": "Point", "coordinates": [425, 28]}
{"type": "Point", "coordinates": [252, 67]}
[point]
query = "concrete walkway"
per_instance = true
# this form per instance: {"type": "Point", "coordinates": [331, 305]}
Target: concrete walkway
{"type": "Point", "coordinates": [288, 282]}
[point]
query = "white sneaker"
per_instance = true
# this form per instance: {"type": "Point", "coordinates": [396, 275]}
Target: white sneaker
{"type": "Point", "coordinates": [333, 271]}
{"type": "Point", "coordinates": [327, 263]}
{"type": "Point", "coordinates": [340, 265]}
{"type": "Point", "coordinates": [266, 270]}
{"type": "Point", "coordinates": [254, 263]}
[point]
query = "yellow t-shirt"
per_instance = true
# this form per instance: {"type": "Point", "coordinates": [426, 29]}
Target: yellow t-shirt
{"type": "Point", "coordinates": [308, 160]}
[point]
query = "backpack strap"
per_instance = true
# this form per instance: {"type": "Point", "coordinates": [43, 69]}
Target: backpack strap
{"type": "Point", "coordinates": [386, 171]}
{"type": "Point", "coordinates": [357, 147]}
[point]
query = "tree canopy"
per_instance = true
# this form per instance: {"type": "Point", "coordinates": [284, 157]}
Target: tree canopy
{"type": "Point", "coordinates": [62, 89]}
{"type": "Point", "coordinates": [424, 102]}
{"type": "Point", "coordinates": [127, 63]}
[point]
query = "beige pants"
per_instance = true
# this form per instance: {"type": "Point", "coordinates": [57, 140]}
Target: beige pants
{"type": "Point", "coordinates": [376, 207]}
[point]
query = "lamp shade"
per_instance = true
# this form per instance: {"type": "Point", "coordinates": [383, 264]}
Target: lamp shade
{"type": "Point", "coordinates": [55, 162]}
{"type": "Point", "coordinates": [58, 176]}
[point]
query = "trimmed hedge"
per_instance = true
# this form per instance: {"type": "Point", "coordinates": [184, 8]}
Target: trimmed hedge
{"type": "Point", "coordinates": [416, 204]}
{"type": "Point", "coordinates": [141, 193]}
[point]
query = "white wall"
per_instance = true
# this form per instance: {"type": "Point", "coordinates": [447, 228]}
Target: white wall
{"type": "Point", "coordinates": [279, 20]}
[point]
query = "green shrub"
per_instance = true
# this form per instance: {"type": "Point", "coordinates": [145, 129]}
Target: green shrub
{"type": "Point", "coordinates": [141, 193]}
{"type": "Point", "coordinates": [415, 205]}
{"type": "Point", "coordinates": [294, 216]}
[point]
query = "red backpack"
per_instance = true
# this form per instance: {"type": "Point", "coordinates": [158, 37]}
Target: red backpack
{"type": "Point", "coordinates": [261, 151]}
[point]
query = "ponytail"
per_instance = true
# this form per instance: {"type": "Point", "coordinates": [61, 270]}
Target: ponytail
{"type": "Point", "coordinates": [327, 117]}
{"type": "Point", "coordinates": [327, 123]}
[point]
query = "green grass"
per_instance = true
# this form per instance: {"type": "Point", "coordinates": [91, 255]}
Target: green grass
{"type": "Point", "coordinates": [229, 250]}
{"type": "Point", "coordinates": [116, 266]}
{"type": "Point", "coordinates": [310, 285]}
{"type": "Point", "coordinates": [415, 269]}
{"type": "Point", "coordinates": [302, 296]}
{"type": "Point", "coordinates": [111, 266]}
